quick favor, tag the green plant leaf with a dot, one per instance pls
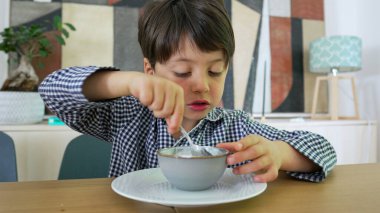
(60, 40)
(35, 31)
(57, 22)
(41, 65)
(57, 19)
(44, 42)
(65, 33)
(31, 40)
(43, 53)
(71, 26)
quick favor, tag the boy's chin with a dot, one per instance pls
(197, 115)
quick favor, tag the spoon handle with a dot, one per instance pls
(196, 150)
(183, 131)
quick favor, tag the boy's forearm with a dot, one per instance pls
(292, 160)
(108, 84)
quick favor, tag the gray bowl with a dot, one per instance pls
(192, 173)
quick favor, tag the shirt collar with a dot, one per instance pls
(215, 114)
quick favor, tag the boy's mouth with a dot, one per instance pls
(199, 105)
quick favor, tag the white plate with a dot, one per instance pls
(150, 185)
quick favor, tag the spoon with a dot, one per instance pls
(196, 150)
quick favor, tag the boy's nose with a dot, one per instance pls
(200, 84)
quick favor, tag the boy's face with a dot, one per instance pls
(200, 74)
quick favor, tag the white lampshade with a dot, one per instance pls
(335, 52)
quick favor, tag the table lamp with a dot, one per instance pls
(335, 55)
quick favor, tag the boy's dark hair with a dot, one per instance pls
(164, 23)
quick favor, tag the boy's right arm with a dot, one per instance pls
(80, 96)
(163, 97)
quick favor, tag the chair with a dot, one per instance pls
(85, 157)
(8, 164)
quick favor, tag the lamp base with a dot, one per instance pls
(334, 93)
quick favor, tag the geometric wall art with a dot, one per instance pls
(269, 71)
(274, 66)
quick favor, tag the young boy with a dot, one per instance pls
(187, 45)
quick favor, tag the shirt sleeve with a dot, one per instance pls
(311, 145)
(62, 93)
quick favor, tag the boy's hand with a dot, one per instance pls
(265, 157)
(165, 98)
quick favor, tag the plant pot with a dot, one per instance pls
(21, 107)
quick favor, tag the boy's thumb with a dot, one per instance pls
(172, 129)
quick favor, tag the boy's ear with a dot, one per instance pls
(148, 69)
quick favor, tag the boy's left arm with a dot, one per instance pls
(266, 150)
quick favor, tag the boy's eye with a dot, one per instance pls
(214, 74)
(182, 75)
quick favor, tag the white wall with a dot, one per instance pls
(360, 18)
(4, 22)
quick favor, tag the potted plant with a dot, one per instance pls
(19, 101)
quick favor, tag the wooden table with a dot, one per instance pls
(349, 188)
(82, 195)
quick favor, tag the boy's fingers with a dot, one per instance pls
(146, 97)
(242, 144)
(170, 129)
(176, 119)
(250, 140)
(158, 100)
(168, 107)
(170, 101)
(251, 153)
(231, 146)
(270, 175)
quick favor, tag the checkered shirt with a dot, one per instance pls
(136, 134)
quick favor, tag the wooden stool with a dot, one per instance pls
(334, 97)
